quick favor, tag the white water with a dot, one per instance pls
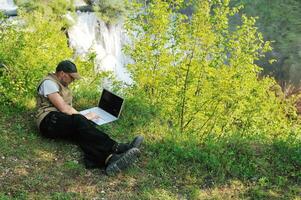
(7, 5)
(90, 34)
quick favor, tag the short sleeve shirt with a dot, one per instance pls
(48, 87)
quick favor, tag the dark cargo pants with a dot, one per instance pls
(96, 145)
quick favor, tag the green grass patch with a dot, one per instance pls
(172, 165)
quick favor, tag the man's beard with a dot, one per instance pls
(63, 83)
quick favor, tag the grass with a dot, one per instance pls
(32, 167)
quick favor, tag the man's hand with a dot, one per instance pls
(91, 116)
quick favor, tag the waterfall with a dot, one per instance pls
(90, 34)
(8, 7)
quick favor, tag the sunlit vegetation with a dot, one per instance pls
(280, 22)
(214, 128)
(110, 11)
(201, 75)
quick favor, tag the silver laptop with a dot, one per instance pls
(109, 108)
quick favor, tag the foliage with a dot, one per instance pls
(280, 22)
(201, 73)
(58, 7)
(110, 11)
(29, 49)
(197, 100)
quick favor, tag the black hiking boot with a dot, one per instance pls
(137, 141)
(119, 162)
(123, 147)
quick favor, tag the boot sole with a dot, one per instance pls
(137, 142)
(124, 162)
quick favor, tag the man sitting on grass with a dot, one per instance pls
(56, 118)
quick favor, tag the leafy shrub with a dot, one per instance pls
(110, 11)
(279, 22)
(202, 73)
(58, 7)
(31, 47)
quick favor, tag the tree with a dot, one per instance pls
(279, 21)
(200, 72)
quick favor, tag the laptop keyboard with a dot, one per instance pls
(104, 116)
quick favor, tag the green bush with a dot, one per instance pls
(30, 48)
(58, 7)
(202, 73)
(279, 22)
(110, 11)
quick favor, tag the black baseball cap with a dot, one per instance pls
(68, 67)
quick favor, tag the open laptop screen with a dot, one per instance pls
(110, 102)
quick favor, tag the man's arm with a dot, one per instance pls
(60, 104)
